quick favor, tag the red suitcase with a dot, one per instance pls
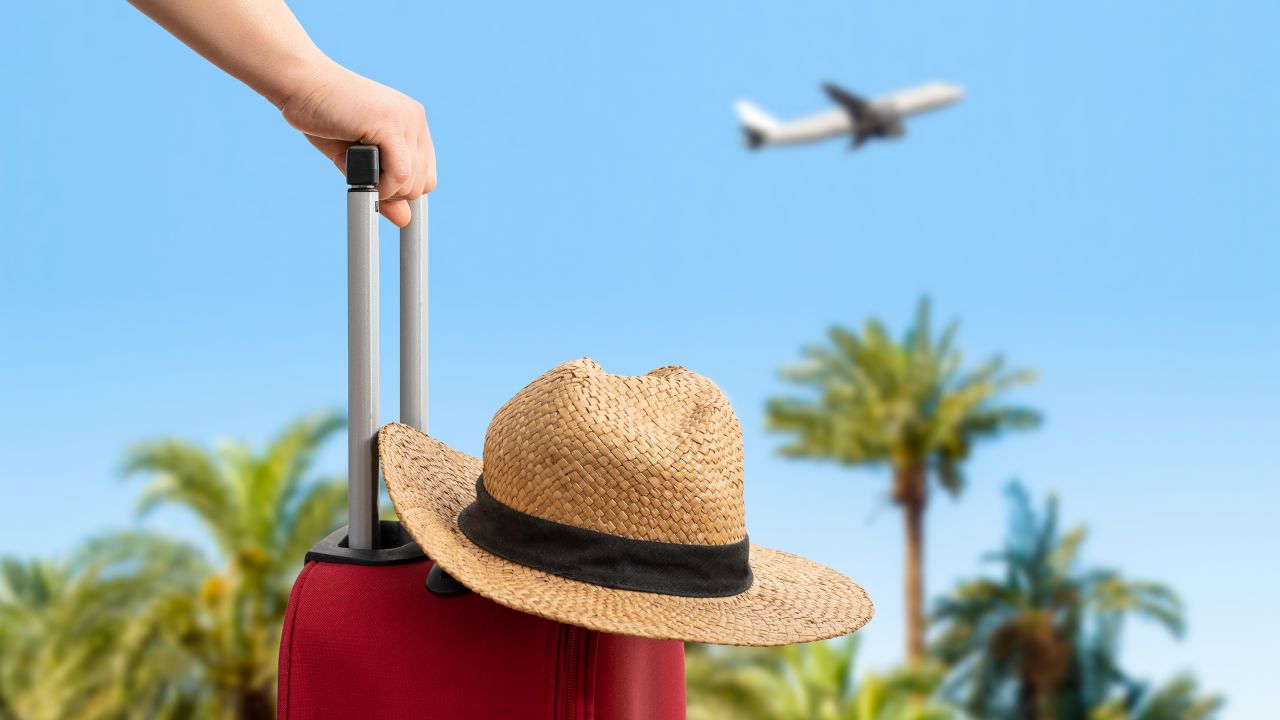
(372, 631)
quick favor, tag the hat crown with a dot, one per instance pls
(650, 457)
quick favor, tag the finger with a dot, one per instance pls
(409, 190)
(426, 164)
(424, 169)
(397, 166)
(397, 211)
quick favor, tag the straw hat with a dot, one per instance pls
(614, 503)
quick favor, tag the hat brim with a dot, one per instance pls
(791, 600)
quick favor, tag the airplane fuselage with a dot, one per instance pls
(821, 126)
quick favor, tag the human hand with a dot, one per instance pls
(336, 108)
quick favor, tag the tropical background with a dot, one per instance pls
(1062, 505)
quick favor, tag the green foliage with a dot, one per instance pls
(137, 625)
(907, 402)
(134, 625)
(1042, 641)
(80, 640)
(811, 681)
(262, 514)
(1178, 699)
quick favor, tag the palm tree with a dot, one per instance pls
(812, 681)
(261, 512)
(908, 404)
(1041, 642)
(82, 639)
(135, 625)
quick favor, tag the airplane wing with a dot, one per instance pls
(920, 99)
(856, 106)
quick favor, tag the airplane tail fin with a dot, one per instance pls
(756, 123)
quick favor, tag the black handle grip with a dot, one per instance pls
(362, 165)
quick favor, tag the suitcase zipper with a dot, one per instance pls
(574, 646)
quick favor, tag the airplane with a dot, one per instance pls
(856, 116)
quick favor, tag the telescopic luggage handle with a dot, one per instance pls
(363, 171)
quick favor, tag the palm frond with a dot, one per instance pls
(185, 475)
(869, 398)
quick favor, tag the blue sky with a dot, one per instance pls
(1100, 208)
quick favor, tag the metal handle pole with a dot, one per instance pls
(413, 317)
(362, 347)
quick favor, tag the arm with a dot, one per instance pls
(262, 44)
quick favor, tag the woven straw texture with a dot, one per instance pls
(652, 457)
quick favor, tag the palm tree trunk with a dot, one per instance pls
(1044, 704)
(257, 705)
(910, 494)
(1028, 702)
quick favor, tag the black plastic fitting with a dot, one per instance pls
(363, 169)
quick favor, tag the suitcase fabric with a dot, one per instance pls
(365, 637)
(373, 642)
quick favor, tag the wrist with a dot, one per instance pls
(299, 76)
